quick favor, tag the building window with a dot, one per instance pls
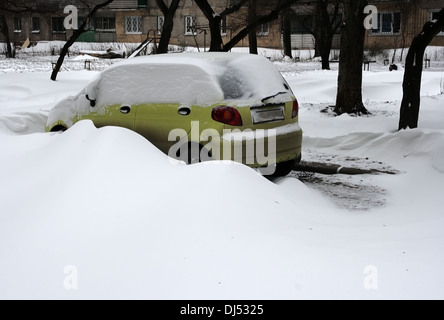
(301, 24)
(190, 25)
(133, 24)
(57, 24)
(263, 30)
(434, 16)
(17, 24)
(88, 25)
(142, 3)
(389, 23)
(160, 22)
(105, 23)
(35, 24)
(223, 26)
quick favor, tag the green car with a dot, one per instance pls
(196, 107)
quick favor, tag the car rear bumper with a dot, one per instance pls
(260, 148)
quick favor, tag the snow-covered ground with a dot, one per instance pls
(101, 213)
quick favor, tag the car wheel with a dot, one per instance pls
(193, 154)
(283, 168)
(58, 128)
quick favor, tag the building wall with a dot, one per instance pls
(413, 17)
(44, 33)
(121, 34)
(120, 9)
(430, 4)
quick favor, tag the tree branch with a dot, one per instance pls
(74, 37)
(162, 6)
(273, 15)
(234, 8)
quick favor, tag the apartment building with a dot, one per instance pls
(135, 20)
(399, 21)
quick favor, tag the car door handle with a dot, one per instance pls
(184, 111)
(125, 109)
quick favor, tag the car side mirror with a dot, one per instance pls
(91, 92)
(92, 102)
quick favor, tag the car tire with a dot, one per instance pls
(58, 128)
(283, 168)
(193, 155)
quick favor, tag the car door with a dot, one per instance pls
(120, 115)
(109, 104)
(156, 121)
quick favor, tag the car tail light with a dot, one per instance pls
(227, 115)
(295, 111)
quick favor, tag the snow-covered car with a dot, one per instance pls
(228, 106)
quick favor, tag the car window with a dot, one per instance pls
(234, 85)
(249, 77)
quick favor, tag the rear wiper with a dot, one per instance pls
(273, 96)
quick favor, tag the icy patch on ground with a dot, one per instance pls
(347, 192)
(350, 192)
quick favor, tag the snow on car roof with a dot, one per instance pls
(199, 59)
(192, 78)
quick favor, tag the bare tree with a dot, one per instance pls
(410, 104)
(168, 13)
(215, 27)
(76, 34)
(267, 17)
(325, 27)
(349, 94)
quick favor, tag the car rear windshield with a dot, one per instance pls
(246, 79)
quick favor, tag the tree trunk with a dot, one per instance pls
(349, 95)
(74, 37)
(317, 49)
(168, 24)
(286, 33)
(260, 20)
(324, 30)
(321, 32)
(65, 50)
(214, 22)
(5, 31)
(216, 43)
(325, 56)
(409, 113)
(252, 35)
